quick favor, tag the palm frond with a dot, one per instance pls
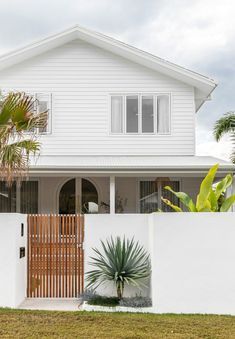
(226, 124)
(17, 115)
(14, 158)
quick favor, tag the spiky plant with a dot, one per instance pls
(121, 261)
(226, 125)
(17, 116)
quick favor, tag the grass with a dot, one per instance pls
(19, 324)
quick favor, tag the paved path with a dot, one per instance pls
(59, 304)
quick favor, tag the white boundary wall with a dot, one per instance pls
(194, 262)
(13, 270)
(102, 226)
(192, 255)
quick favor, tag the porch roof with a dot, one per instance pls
(128, 164)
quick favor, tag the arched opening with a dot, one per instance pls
(78, 195)
(89, 197)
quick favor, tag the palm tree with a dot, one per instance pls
(17, 116)
(226, 124)
(122, 262)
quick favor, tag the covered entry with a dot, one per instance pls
(55, 256)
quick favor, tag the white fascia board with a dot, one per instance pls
(224, 169)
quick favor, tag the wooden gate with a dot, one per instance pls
(55, 256)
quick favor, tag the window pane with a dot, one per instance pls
(175, 185)
(29, 197)
(148, 196)
(147, 114)
(116, 114)
(42, 106)
(7, 198)
(163, 114)
(132, 114)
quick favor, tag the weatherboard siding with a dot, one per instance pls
(81, 78)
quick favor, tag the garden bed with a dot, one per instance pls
(87, 307)
(95, 302)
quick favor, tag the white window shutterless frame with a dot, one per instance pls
(140, 114)
(44, 103)
(117, 114)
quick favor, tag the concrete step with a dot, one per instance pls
(50, 304)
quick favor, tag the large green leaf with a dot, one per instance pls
(213, 201)
(169, 203)
(184, 198)
(227, 204)
(205, 188)
(223, 185)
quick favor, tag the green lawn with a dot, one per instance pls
(42, 324)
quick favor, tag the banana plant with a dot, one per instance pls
(211, 197)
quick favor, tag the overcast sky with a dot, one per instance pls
(198, 34)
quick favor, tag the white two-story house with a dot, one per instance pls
(121, 126)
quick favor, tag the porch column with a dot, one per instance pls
(112, 194)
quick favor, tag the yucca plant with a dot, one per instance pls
(121, 261)
(17, 115)
(211, 197)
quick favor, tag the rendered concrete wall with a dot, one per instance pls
(193, 256)
(100, 227)
(13, 270)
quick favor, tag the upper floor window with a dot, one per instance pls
(43, 103)
(140, 114)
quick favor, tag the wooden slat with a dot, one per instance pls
(55, 256)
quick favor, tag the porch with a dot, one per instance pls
(115, 185)
(95, 194)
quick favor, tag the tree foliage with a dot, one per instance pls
(226, 125)
(17, 116)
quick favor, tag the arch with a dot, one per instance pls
(67, 191)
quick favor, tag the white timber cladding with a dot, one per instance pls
(80, 79)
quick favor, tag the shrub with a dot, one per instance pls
(121, 262)
(137, 301)
(104, 301)
(87, 295)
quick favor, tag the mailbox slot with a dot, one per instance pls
(22, 252)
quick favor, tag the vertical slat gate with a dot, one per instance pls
(55, 256)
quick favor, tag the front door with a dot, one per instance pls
(78, 195)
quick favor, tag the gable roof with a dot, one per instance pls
(203, 85)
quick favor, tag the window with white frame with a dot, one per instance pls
(140, 114)
(43, 103)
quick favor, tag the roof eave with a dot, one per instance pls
(205, 84)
